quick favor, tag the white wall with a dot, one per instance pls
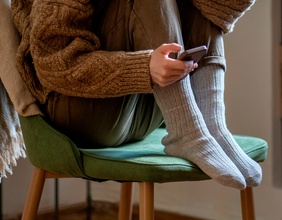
(252, 99)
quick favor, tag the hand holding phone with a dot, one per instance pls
(194, 54)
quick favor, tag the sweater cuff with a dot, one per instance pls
(137, 71)
(223, 13)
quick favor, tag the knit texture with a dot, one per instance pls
(188, 136)
(208, 87)
(224, 13)
(59, 52)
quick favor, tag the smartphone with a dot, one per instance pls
(194, 54)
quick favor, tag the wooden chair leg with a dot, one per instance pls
(34, 194)
(146, 209)
(247, 204)
(125, 204)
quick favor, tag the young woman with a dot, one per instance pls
(105, 72)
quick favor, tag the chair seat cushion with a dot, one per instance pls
(146, 161)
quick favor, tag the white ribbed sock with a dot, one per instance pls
(188, 136)
(208, 87)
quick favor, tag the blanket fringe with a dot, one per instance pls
(12, 145)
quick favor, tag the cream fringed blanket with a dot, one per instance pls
(11, 139)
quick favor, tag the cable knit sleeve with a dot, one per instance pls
(67, 59)
(223, 13)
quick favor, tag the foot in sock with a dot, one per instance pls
(208, 87)
(188, 136)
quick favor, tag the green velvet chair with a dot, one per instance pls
(54, 156)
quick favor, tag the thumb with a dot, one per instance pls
(166, 49)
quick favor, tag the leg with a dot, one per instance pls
(188, 136)
(146, 209)
(34, 194)
(125, 203)
(247, 204)
(81, 118)
(208, 87)
(153, 23)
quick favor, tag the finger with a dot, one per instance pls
(168, 73)
(173, 73)
(168, 81)
(184, 66)
(166, 49)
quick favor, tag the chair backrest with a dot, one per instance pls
(44, 143)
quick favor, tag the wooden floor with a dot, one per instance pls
(102, 211)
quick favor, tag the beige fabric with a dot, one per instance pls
(23, 100)
(223, 13)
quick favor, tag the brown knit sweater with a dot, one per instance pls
(58, 51)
